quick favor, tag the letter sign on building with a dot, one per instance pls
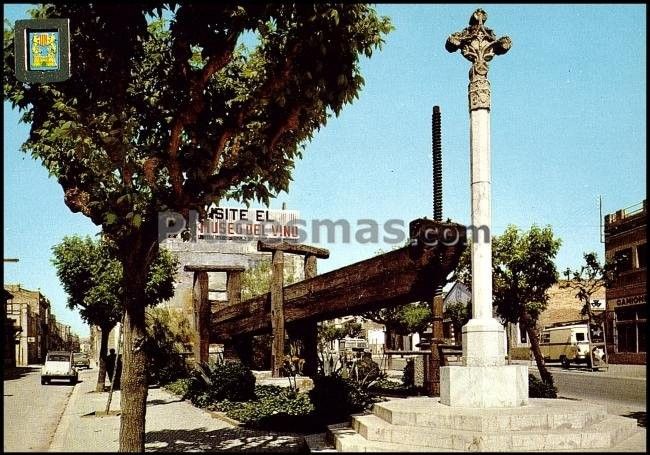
(42, 50)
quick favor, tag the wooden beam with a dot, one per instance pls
(213, 268)
(401, 276)
(293, 248)
(233, 287)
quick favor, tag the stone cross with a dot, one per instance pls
(479, 45)
(484, 380)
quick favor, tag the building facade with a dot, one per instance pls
(626, 297)
(37, 330)
(31, 311)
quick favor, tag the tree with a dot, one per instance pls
(91, 276)
(522, 272)
(174, 115)
(401, 320)
(459, 314)
(590, 278)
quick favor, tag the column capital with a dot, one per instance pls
(479, 45)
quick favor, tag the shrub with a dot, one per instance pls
(215, 382)
(367, 371)
(540, 389)
(275, 408)
(335, 397)
(179, 387)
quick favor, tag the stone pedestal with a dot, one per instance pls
(484, 386)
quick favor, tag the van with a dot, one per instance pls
(566, 344)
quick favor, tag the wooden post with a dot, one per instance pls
(202, 310)
(233, 287)
(201, 317)
(277, 313)
(277, 292)
(310, 328)
(437, 335)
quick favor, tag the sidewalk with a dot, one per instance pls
(173, 425)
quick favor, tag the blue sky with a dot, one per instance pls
(568, 125)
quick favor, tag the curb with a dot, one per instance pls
(58, 440)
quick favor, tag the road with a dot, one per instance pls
(32, 411)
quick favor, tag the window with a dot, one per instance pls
(631, 326)
(623, 259)
(523, 336)
(580, 336)
(641, 255)
(546, 337)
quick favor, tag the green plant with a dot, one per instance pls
(210, 383)
(179, 387)
(336, 397)
(540, 389)
(278, 409)
(167, 333)
(366, 371)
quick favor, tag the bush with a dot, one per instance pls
(274, 408)
(368, 371)
(210, 383)
(179, 387)
(539, 389)
(335, 397)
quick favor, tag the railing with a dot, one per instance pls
(627, 212)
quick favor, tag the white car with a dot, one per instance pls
(59, 365)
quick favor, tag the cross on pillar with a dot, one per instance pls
(484, 381)
(277, 294)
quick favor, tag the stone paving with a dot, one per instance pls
(173, 425)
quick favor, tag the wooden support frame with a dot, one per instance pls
(401, 276)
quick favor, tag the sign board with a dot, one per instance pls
(597, 304)
(248, 223)
(597, 345)
(42, 50)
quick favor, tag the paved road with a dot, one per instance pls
(32, 411)
(581, 383)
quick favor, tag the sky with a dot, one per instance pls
(568, 126)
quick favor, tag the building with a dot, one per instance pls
(35, 326)
(31, 311)
(11, 331)
(626, 296)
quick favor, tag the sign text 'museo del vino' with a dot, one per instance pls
(236, 222)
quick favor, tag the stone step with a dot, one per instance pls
(348, 440)
(604, 434)
(538, 414)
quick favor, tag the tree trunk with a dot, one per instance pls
(103, 348)
(529, 324)
(133, 402)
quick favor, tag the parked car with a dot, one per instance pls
(59, 365)
(566, 343)
(81, 359)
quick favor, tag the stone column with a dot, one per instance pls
(484, 380)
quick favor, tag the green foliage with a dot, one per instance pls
(168, 332)
(539, 389)
(179, 387)
(257, 280)
(459, 313)
(91, 276)
(173, 114)
(588, 279)
(522, 271)
(403, 319)
(215, 382)
(366, 371)
(335, 397)
(275, 408)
